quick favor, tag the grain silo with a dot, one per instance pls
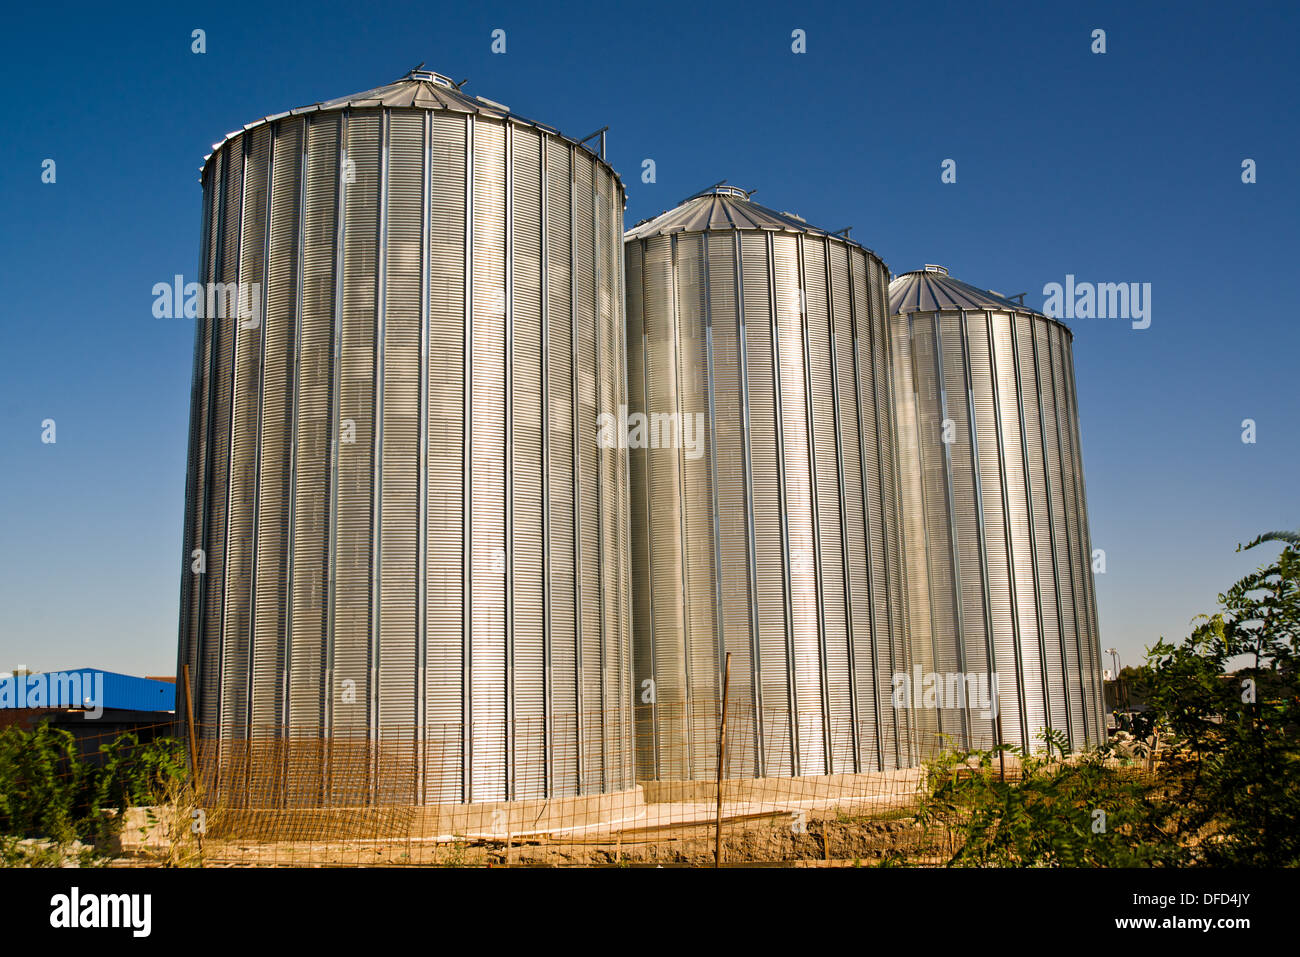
(417, 569)
(996, 529)
(764, 516)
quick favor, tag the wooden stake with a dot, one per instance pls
(189, 724)
(722, 756)
(195, 779)
(1002, 755)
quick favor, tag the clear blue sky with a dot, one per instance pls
(1117, 167)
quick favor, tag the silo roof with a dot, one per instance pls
(418, 89)
(723, 207)
(932, 289)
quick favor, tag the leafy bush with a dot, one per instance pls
(48, 791)
(42, 783)
(1084, 812)
(1236, 779)
(1226, 788)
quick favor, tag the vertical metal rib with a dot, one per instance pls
(645, 392)
(265, 280)
(601, 575)
(217, 254)
(916, 400)
(1085, 537)
(958, 605)
(222, 663)
(548, 722)
(1006, 529)
(335, 421)
(185, 638)
(467, 568)
(857, 331)
(994, 688)
(627, 726)
(1044, 677)
(845, 560)
(792, 695)
(884, 423)
(1057, 395)
(899, 636)
(577, 470)
(809, 422)
(809, 407)
(377, 463)
(422, 481)
(688, 684)
(509, 466)
(720, 630)
(752, 570)
(1070, 730)
(286, 676)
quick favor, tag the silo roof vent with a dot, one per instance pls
(428, 76)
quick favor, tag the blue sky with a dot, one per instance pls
(1117, 167)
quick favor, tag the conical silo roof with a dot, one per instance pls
(724, 207)
(932, 289)
(418, 89)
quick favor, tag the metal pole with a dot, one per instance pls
(722, 757)
(1121, 692)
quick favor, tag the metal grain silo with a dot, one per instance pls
(417, 568)
(776, 535)
(997, 524)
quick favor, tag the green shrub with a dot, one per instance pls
(1236, 780)
(48, 791)
(1225, 789)
(1050, 813)
(42, 781)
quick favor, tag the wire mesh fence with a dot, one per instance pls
(275, 797)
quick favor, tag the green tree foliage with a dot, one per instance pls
(1236, 777)
(1048, 813)
(48, 791)
(1226, 789)
(42, 783)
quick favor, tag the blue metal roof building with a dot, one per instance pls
(115, 691)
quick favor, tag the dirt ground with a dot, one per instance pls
(758, 840)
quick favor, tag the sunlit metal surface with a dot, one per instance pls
(411, 534)
(766, 522)
(996, 528)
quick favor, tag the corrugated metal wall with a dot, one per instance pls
(997, 531)
(413, 542)
(779, 541)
